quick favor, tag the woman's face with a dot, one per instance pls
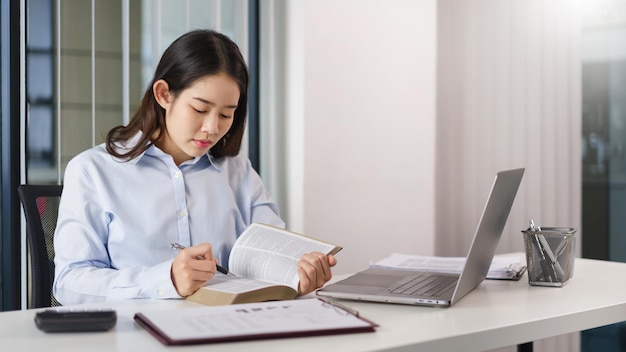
(198, 117)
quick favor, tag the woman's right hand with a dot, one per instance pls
(192, 268)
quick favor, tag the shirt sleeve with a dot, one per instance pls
(263, 209)
(83, 271)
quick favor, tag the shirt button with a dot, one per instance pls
(182, 213)
(161, 292)
(177, 174)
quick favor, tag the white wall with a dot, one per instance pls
(360, 125)
(509, 79)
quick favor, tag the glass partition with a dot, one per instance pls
(89, 63)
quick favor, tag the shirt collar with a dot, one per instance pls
(155, 151)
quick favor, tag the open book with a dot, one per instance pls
(265, 260)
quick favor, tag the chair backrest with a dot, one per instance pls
(41, 208)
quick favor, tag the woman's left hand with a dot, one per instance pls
(314, 271)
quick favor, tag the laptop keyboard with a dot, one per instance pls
(424, 285)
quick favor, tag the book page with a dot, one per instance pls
(271, 254)
(256, 319)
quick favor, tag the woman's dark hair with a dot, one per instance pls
(194, 55)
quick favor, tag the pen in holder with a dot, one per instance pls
(550, 253)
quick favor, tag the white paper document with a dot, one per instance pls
(506, 267)
(252, 320)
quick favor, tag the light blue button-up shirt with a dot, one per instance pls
(117, 219)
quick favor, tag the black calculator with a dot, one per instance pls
(60, 320)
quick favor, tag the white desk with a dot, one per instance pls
(496, 314)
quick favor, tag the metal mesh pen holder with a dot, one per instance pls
(550, 253)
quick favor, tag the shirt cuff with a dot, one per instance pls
(158, 282)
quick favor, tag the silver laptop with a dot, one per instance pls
(438, 289)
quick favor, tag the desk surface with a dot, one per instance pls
(496, 314)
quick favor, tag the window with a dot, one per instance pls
(89, 63)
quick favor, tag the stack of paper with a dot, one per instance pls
(502, 268)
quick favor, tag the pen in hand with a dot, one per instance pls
(220, 268)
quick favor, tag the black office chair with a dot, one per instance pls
(41, 208)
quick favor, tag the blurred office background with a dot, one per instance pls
(375, 124)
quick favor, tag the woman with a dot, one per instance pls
(173, 174)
